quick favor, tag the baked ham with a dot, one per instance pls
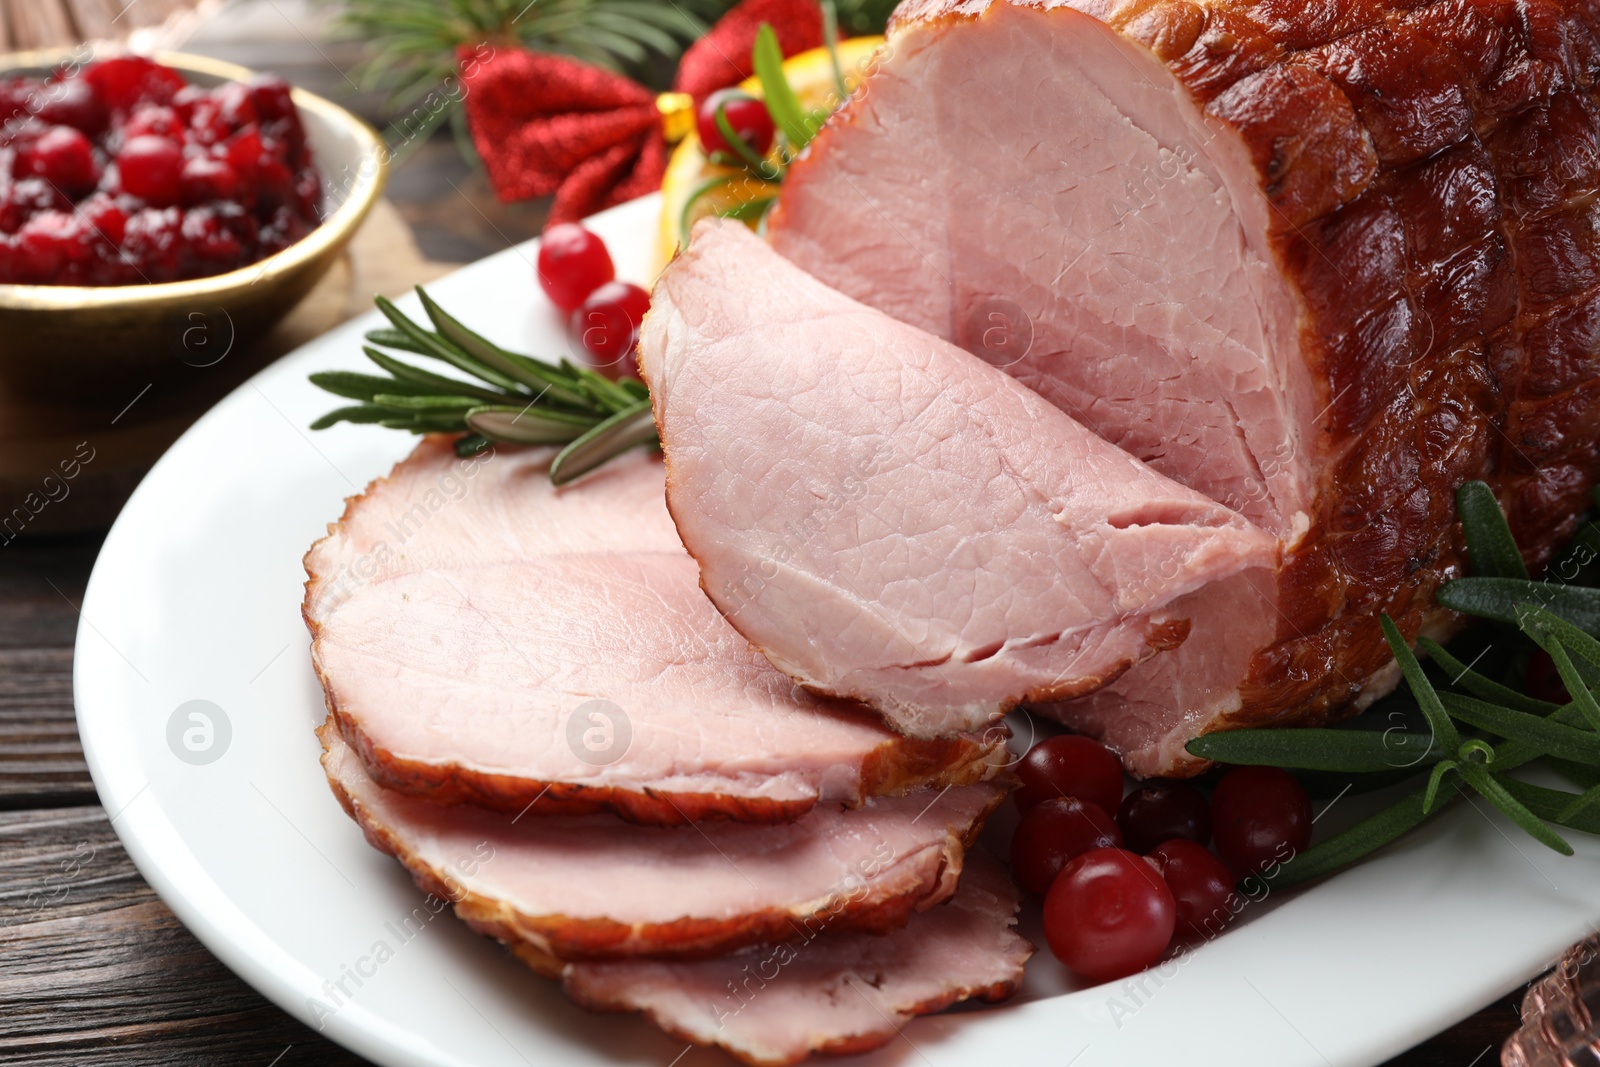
(592, 887)
(1321, 262)
(836, 991)
(466, 612)
(893, 520)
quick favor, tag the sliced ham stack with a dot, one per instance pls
(1319, 263)
(533, 707)
(932, 537)
(464, 612)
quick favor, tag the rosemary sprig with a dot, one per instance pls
(1481, 728)
(506, 396)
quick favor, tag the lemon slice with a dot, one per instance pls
(811, 76)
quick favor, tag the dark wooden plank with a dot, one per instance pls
(41, 759)
(97, 971)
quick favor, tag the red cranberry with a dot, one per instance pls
(151, 168)
(1159, 811)
(205, 178)
(63, 157)
(1543, 680)
(51, 243)
(747, 117)
(128, 80)
(72, 103)
(21, 200)
(236, 104)
(273, 97)
(210, 242)
(607, 325)
(1072, 766)
(1200, 883)
(184, 101)
(572, 264)
(113, 266)
(153, 120)
(153, 241)
(1262, 816)
(1053, 832)
(106, 216)
(206, 124)
(1109, 913)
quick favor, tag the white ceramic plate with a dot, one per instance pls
(196, 596)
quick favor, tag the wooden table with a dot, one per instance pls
(94, 969)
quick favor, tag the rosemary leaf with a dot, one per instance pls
(1545, 623)
(472, 444)
(780, 98)
(1548, 804)
(533, 373)
(359, 413)
(395, 339)
(1582, 697)
(1343, 849)
(1585, 801)
(1422, 689)
(356, 386)
(440, 348)
(1435, 780)
(527, 426)
(432, 405)
(627, 429)
(1551, 738)
(1491, 789)
(753, 208)
(1479, 685)
(1493, 551)
(1344, 751)
(610, 396)
(406, 372)
(1497, 598)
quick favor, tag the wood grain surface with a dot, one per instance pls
(94, 969)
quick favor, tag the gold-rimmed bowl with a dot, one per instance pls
(70, 340)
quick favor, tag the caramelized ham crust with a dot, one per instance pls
(893, 520)
(592, 887)
(1321, 261)
(838, 991)
(483, 637)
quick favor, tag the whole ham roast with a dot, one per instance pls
(1321, 262)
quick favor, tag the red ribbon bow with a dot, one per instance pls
(548, 124)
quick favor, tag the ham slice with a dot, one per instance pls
(1322, 263)
(891, 519)
(483, 637)
(836, 992)
(591, 887)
